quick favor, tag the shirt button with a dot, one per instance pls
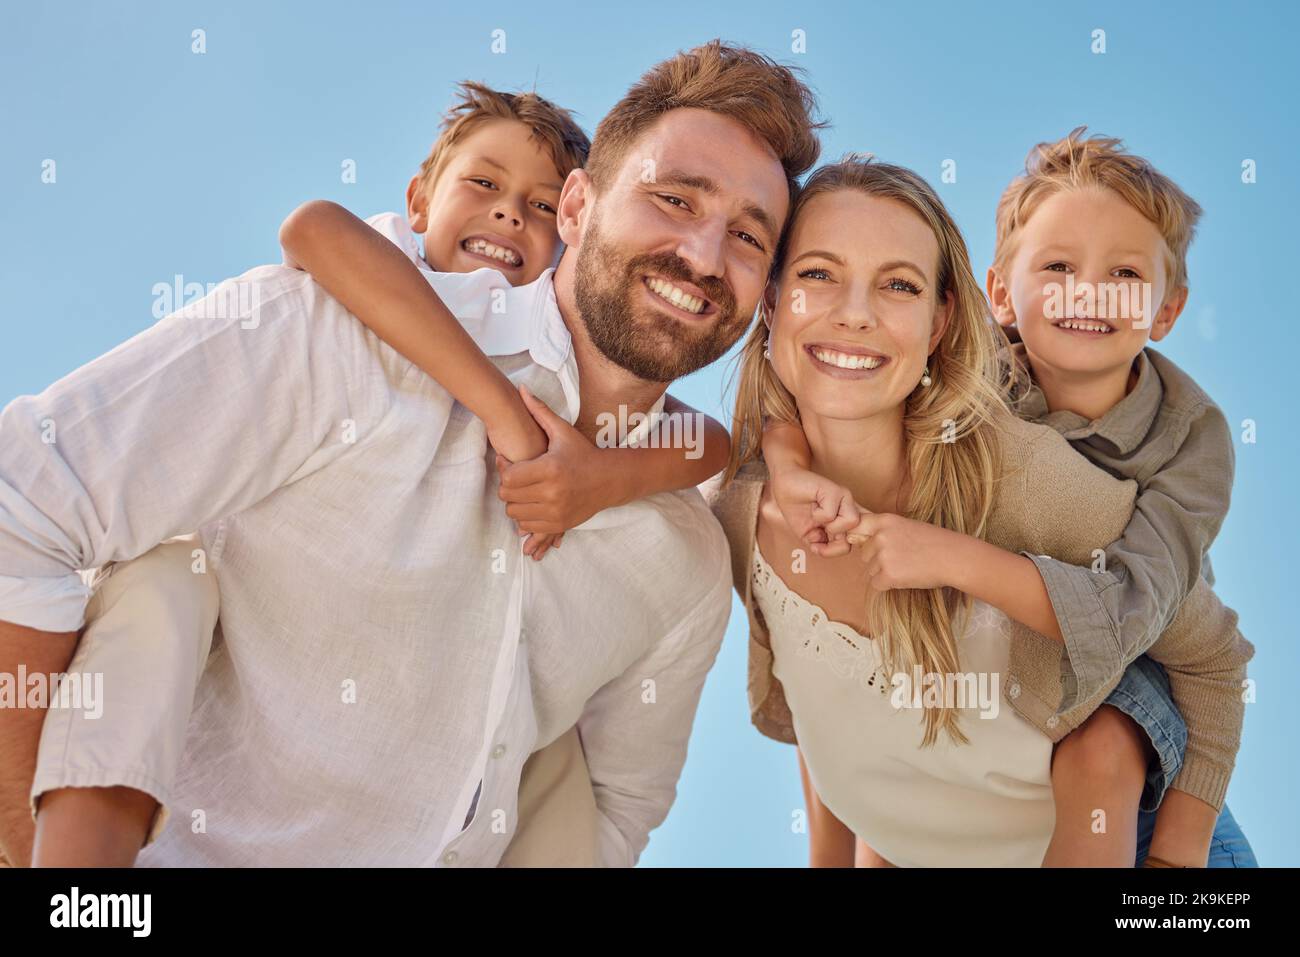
(450, 858)
(1053, 721)
(1014, 689)
(498, 751)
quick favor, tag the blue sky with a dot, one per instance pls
(170, 162)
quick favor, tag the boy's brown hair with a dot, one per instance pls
(553, 127)
(1075, 161)
(767, 98)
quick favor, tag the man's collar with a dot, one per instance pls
(1125, 426)
(548, 341)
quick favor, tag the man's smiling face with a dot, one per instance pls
(674, 252)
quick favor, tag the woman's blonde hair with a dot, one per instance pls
(950, 427)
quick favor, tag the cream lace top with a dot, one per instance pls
(981, 804)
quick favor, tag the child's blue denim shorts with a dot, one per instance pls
(1143, 694)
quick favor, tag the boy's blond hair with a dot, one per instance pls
(1077, 161)
(553, 127)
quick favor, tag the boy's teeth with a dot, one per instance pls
(678, 297)
(846, 361)
(1084, 325)
(485, 248)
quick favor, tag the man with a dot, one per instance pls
(387, 662)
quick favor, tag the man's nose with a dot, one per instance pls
(704, 248)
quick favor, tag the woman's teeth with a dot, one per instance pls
(1084, 325)
(846, 361)
(485, 248)
(679, 298)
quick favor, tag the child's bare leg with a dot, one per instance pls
(1184, 829)
(1097, 775)
(92, 827)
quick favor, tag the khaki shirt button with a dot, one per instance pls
(1053, 721)
(1014, 688)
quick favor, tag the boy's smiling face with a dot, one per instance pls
(492, 204)
(1087, 285)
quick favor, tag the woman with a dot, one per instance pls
(878, 344)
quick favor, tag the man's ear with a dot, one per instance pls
(1168, 314)
(942, 318)
(417, 205)
(1000, 299)
(575, 199)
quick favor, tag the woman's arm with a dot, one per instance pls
(376, 282)
(830, 842)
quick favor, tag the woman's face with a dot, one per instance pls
(857, 313)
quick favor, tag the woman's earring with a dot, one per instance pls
(925, 378)
(767, 349)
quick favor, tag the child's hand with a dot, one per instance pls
(557, 490)
(904, 553)
(818, 511)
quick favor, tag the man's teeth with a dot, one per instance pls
(846, 361)
(485, 248)
(1084, 325)
(678, 297)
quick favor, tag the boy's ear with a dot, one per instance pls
(417, 205)
(575, 199)
(1000, 299)
(1168, 314)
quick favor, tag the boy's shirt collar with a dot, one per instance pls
(1125, 426)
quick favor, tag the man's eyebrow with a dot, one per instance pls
(557, 187)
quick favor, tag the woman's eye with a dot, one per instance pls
(814, 274)
(904, 285)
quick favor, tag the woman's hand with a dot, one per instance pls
(557, 490)
(818, 511)
(904, 553)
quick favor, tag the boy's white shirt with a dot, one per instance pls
(385, 648)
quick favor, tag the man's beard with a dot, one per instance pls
(648, 344)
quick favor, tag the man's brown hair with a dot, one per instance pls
(762, 95)
(553, 127)
(1074, 162)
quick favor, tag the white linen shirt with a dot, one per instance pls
(386, 659)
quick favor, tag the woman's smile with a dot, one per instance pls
(842, 361)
